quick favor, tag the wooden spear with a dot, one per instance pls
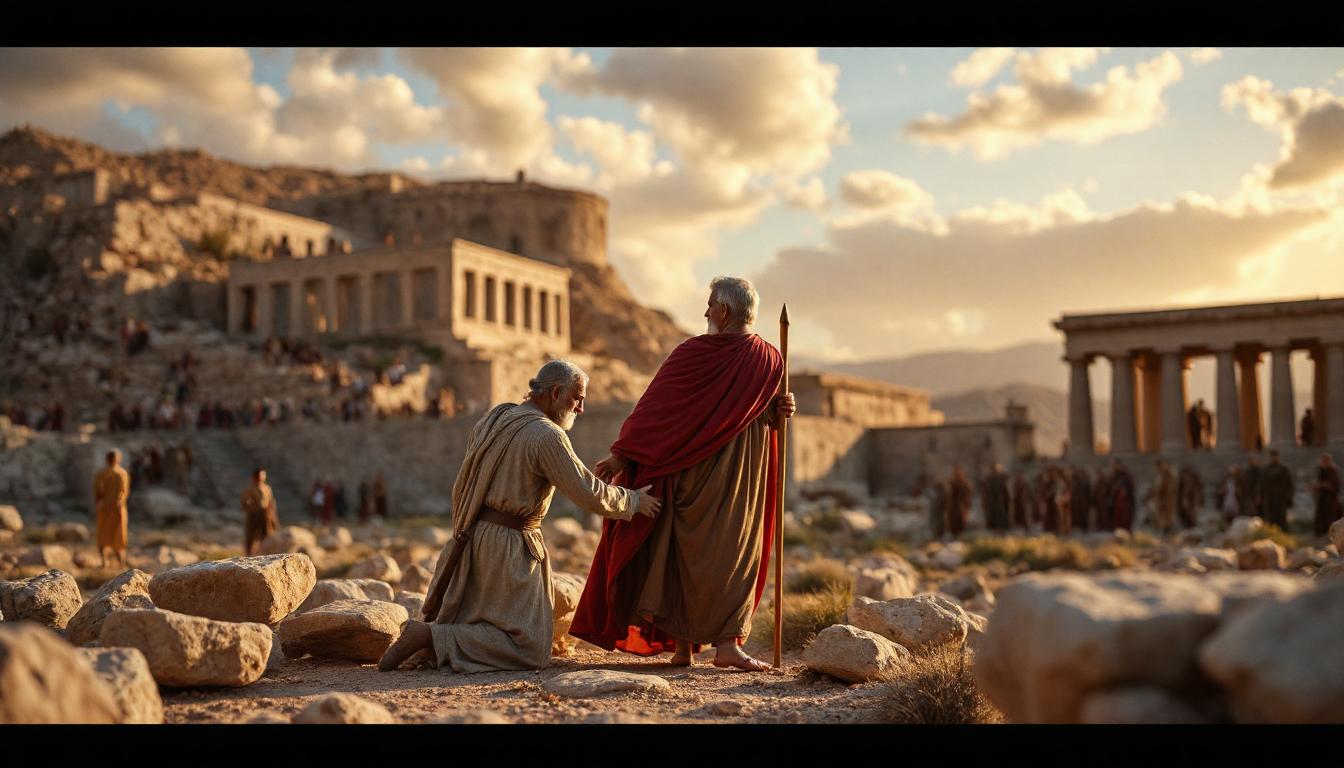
(779, 493)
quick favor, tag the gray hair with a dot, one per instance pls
(556, 373)
(738, 294)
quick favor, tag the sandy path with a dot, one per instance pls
(795, 696)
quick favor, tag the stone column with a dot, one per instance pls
(1252, 424)
(234, 306)
(1228, 405)
(1152, 397)
(265, 311)
(1334, 397)
(1080, 409)
(329, 309)
(368, 323)
(1122, 405)
(1173, 403)
(407, 286)
(443, 308)
(296, 308)
(1320, 405)
(1282, 426)
(562, 309)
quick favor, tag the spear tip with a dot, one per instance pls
(784, 315)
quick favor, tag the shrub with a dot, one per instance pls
(937, 688)
(1041, 553)
(804, 616)
(1277, 535)
(820, 575)
(830, 522)
(215, 242)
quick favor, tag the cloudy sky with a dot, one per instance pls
(900, 200)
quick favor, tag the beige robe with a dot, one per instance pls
(702, 561)
(259, 516)
(111, 487)
(499, 609)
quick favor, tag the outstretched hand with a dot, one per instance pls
(649, 504)
(608, 468)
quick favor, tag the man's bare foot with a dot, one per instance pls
(682, 656)
(415, 636)
(731, 656)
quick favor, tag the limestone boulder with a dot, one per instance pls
(163, 507)
(1336, 534)
(127, 675)
(969, 587)
(10, 519)
(1210, 558)
(48, 556)
(50, 599)
(262, 589)
(949, 557)
(857, 522)
(854, 654)
(72, 533)
(918, 623)
(344, 709)
(335, 538)
(884, 583)
(1331, 571)
(433, 535)
(413, 602)
(415, 578)
(380, 567)
(1279, 661)
(187, 651)
(407, 553)
(1057, 638)
(568, 588)
(163, 556)
(290, 538)
(276, 657)
(1306, 557)
(330, 590)
(1138, 705)
(43, 679)
(128, 590)
(587, 683)
(1262, 555)
(1243, 530)
(361, 630)
(562, 532)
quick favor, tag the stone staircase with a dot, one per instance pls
(227, 468)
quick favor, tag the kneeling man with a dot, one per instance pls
(490, 604)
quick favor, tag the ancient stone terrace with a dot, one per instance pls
(1152, 351)
(460, 293)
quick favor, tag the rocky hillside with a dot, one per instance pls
(82, 254)
(1048, 408)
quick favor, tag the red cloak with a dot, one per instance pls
(705, 393)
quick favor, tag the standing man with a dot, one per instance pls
(958, 501)
(380, 496)
(1190, 496)
(259, 514)
(1122, 496)
(1249, 488)
(995, 496)
(1163, 494)
(111, 487)
(1276, 491)
(1327, 494)
(704, 435)
(491, 603)
(1022, 499)
(1308, 429)
(1080, 500)
(938, 508)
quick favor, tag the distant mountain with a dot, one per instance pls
(941, 373)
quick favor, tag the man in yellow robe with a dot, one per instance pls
(111, 487)
(259, 516)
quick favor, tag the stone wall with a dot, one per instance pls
(900, 456)
(863, 401)
(251, 226)
(558, 226)
(828, 454)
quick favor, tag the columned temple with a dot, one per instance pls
(1150, 355)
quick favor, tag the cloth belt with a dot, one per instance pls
(515, 522)
(489, 515)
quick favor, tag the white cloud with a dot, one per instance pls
(808, 196)
(1311, 122)
(416, 165)
(997, 274)
(881, 189)
(1046, 104)
(981, 67)
(1202, 56)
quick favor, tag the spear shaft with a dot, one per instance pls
(779, 492)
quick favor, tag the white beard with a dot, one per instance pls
(710, 327)
(566, 420)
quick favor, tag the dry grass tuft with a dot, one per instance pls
(804, 616)
(820, 575)
(1046, 551)
(1277, 535)
(937, 688)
